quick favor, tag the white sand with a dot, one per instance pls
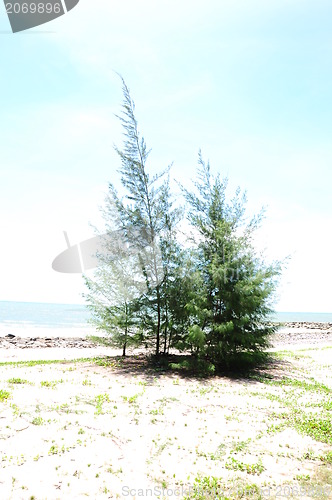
(149, 430)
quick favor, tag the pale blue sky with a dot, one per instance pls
(249, 82)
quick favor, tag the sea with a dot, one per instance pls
(68, 316)
(42, 315)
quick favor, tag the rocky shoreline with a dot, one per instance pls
(297, 333)
(11, 341)
(306, 325)
(302, 337)
(288, 333)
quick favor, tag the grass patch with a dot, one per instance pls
(288, 354)
(38, 421)
(212, 488)
(240, 446)
(131, 399)
(45, 362)
(311, 385)
(325, 348)
(327, 458)
(206, 487)
(316, 426)
(108, 362)
(51, 383)
(4, 395)
(18, 381)
(99, 400)
(233, 464)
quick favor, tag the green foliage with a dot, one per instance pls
(234, 464)
(233, 302)
(212, 298)
(210, 487)
(316, 426)
(318, 422)
(18, 381)
(206, 487)
(129, 295)
(241, 446)
(4, 395)
(196, 337)
(100, 399)
(112, 295)
(37, 421)
(312, 385)
(51, 383)
(193, 365)
(43, 362)
(327, 458)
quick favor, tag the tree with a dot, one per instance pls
(214, 298)
(114, 290)
(233, 303)
(146, 219)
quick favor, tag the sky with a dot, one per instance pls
(247, 82)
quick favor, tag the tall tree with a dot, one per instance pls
(213, 298)
(114, 290)
(235, 296)
(146, 219)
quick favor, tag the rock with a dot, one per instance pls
(38, 342)
(5, 344)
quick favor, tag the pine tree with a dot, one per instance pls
(232, 306)
(146, 219)
(214, 298)
(114, 290)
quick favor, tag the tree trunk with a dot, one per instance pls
(169, 342)
(158, 323)
(166, 324)
(126, 332)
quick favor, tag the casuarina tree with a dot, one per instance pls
(212, 297)
(146, 220)
(233, 304)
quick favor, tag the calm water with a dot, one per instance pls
(303, 316)
(43, 315)
(68, 315)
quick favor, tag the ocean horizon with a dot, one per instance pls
(42, 314)
(50, 315)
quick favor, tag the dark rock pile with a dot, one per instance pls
(303, 333)
(307, 325)
(12, 341)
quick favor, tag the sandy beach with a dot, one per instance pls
(114, 428)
